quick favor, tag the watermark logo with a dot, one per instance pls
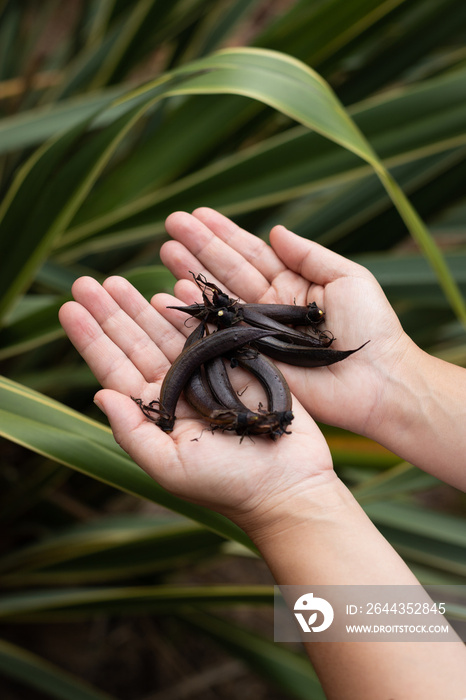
(310, 604)
(351, 613)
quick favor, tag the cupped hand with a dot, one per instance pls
(351, 394)
(129, 347)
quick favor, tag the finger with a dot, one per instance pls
(184, 265)
(120, 328)
(154, 338)
(183, 323)
(189, 293)
(252, 248)
(311, 260)
(140, 438)
(232, 270)
(149, 339)
(109, 364)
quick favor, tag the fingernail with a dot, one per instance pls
(99, 404)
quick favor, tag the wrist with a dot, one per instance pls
(322, 536)
(319, 500)
(401, 386)
(421, 413)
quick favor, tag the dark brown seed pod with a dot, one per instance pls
(301, 356)
(187, 362)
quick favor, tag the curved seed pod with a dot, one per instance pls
(277, 390)
(195, 381)
(220, 385)
(200, 397)
(204, 395)
(274, 421)
(273, 381)
(292, 314)
(196, 391)
(188, 361)
(301, 356)
(238, 419)
(285, 313)
(291, 335)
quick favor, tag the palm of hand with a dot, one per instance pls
(129, 347)
(297, 270)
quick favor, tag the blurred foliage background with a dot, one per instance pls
(112, 115)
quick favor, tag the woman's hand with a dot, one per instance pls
(129, 346)
(350, 394)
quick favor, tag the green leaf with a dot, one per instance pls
(424, 551)
(281, 82)
(415, 519)
(32, 329)
(315, 31)
(423, 30)
(41, 123)
(8, 28)
(409, 277)
(431, 576)
(217, 25)
(70, 438)
(24, 242)
(151, 280)
(34, 672)
(404, 126)
(422, 536)
(34, 321)
(403, 478)
(110, 548)
(277, 80)
(60, 604)
(361, 215)
(184, 134)
(122, 38)
(59, 379)
(291, 672)
(28, 234)
(56, 181)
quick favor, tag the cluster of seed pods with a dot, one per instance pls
(246, 335)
